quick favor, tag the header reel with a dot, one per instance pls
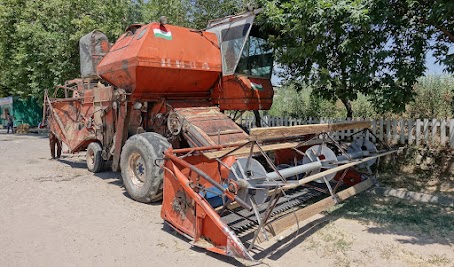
(248, 198)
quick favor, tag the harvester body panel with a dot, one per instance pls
(163, 61)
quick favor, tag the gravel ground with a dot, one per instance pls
(57, 213)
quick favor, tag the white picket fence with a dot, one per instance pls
(417, 132)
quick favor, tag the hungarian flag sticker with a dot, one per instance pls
(162, 33)
(256, 86)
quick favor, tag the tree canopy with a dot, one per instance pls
(338, 47)
(39, 38)
(346, 47)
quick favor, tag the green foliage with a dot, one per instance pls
(368, 51)
(39, 38)
(39, 46)
(344, 47)
(204, 10)
(290, 102)
(434, 98)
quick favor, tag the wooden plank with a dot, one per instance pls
(395, 135)
(451, 133)
(382, 129)
(426, 131)
(374, 130)
(410, 131)
(402, 131)
(388, 131)
(434, 131)
(418, 132)
(246, 150)
(295, 131)
(281, 224)
(443, 132)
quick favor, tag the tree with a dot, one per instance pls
(39, 38)
(39, 43)
(205, 10)
(345, 47)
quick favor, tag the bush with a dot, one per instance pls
(434, 99)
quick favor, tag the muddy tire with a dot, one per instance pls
(95, 162)
(142, 177)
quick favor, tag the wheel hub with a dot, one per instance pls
(138, 169)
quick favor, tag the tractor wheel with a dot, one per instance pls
(95, 162)
(142, 177)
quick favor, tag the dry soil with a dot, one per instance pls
(56, 213)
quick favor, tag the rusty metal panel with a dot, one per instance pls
(209, 126)
(186, 63)
(93, 46)
(239, 92)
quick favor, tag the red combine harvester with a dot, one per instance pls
(153, 105)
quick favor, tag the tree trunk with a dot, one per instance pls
(258, 120)
(348, 106)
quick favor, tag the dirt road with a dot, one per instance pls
(57, 213)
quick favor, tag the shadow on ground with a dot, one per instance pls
(417, 223)
(420, 223)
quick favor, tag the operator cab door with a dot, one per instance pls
(232, 33)
(247, 63)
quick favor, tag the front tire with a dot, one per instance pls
(142, 177)
(95, 162)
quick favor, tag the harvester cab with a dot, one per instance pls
(247, 63)
(244, 51)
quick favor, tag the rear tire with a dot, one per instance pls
(95, 162)
(142, 177)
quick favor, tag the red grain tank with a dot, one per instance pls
(228, 64)
(155, 60)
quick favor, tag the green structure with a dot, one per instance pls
(23, 110)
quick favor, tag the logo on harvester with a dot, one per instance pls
(256, 86)
(161, 32)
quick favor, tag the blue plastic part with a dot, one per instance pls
(212, 195)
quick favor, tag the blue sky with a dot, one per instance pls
(432, 67)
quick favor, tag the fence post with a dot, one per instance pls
(426, 131)
(374, 129)
(388, 131)
(418, 132)
(410, 131)
(451, 133)
(394, 132)
(381, 129)
(402, 131)
(443, 132)
(434, 131)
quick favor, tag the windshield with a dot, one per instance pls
(242, 49)
(256, 59)
(233, 40)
